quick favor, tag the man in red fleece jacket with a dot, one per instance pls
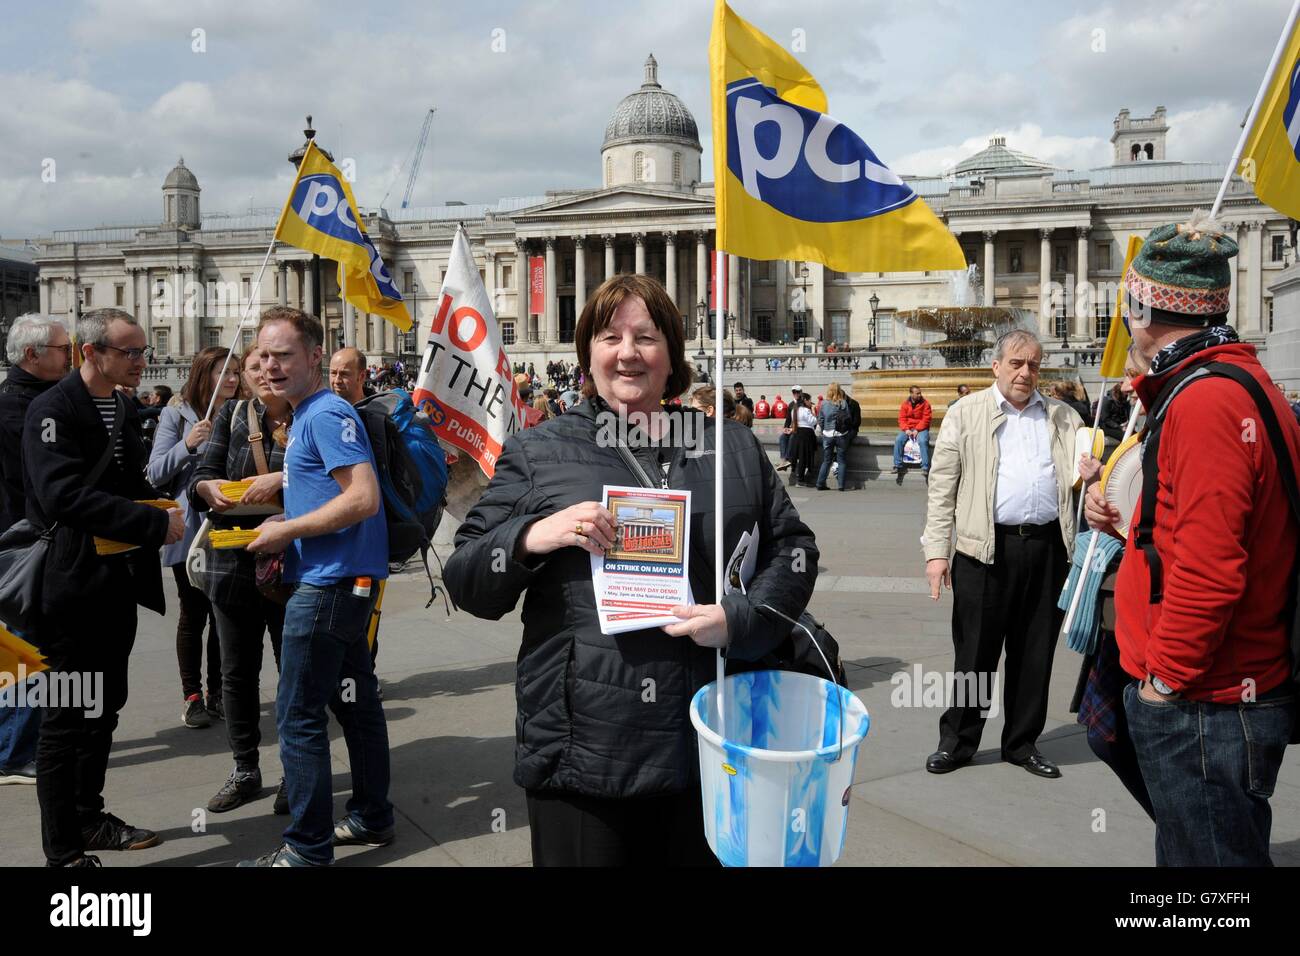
(1212, 705)
(913, 422)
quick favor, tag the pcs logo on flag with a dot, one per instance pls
(804, 163)
(317, 202)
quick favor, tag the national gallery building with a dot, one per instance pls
(1027, 226)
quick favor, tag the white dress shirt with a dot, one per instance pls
(1025, 492)
(804, 418)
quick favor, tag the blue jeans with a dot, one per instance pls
(325, 661)
(785, 446)
(922, 439)
(19, 728)
(1210, 769)
(837, 446)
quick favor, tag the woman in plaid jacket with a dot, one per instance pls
(243, 615)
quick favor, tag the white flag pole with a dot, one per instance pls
(1092, 544)
(234, 342)
(719, 409)
(1247, 126)
(1096, 422)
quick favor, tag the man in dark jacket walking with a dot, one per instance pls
(39, 352)
(83, 461)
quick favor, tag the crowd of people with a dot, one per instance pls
(1186, 690)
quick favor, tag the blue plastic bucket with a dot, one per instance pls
(776, 791)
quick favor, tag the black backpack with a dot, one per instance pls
(843, 418)
(1143, 531)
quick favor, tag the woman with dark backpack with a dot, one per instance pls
(835, 421)
(248, 441)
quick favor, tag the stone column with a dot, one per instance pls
(43, 285)
(309, 290)
(609, 254)
(283, 271)
(552, 335)
(1233, 231)
(989, 235)
(782, 317)
(148, 306)
(639, 239)
(186, 343)
(1045, 310)
(579, 274)
(702, 272)
(670, 265)
(129, 301)
(350, 324)
(1254, 323)
(521, 290)
(1084, 300)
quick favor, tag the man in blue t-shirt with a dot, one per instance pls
(335, 543)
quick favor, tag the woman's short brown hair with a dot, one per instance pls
(599, 312)
(197, 391)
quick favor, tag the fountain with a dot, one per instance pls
(962, 357)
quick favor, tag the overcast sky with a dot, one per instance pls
(114, 90)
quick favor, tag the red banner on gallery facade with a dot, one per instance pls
(536, 285)
(713, 284)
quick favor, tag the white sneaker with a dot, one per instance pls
(19, 775)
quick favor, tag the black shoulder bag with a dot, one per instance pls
(809, 649)
(25, 547)
(1144, 530)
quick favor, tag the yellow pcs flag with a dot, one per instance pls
(373, 290)
(1270, 160)
(793, 183)
(321, 216)
(1118, 338)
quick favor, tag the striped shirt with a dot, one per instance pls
(108, 412)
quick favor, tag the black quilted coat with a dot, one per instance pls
(589, 721)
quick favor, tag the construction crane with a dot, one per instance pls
(415, 163)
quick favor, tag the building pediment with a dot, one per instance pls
(617, 199)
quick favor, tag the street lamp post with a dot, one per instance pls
(874, 302)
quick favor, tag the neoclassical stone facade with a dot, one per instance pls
(1047, 240)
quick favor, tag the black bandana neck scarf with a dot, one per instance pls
(1175, 353)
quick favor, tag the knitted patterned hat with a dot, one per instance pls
(1181, 275)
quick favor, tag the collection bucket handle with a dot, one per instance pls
(839, 691)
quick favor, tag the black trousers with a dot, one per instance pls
(1013, 603)
(240, 629)
(570, 829)
(195, 616)
(72, 750)
(803, 452)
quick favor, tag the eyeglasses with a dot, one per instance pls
(145, 353)
(65, 349)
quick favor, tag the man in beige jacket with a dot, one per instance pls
(1001, 484)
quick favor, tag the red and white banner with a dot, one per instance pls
(536, 285)
(465, 384)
